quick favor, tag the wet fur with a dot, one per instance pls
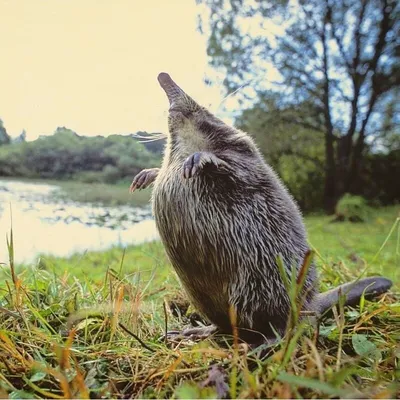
(224, 228)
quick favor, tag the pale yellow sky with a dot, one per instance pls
(92, 65)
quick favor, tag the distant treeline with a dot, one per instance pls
(296, 154)
(66, 155)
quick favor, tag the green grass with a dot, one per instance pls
(70, 328)
(353, 247)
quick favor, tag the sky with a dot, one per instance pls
(92, 65)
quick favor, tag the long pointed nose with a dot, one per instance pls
(172, 90)
(176, 96)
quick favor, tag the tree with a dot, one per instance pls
(21, 138)
(296, 153)
(4, 137)
(339, 56)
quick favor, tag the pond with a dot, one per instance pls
(43, 223)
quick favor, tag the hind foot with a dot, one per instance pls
(144, 178)
(195, 163)
(199, 333)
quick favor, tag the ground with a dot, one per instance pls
(88, 326)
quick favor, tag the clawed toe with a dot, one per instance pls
(191, 166)
(169, 335)
(143, 179)
(199, 333)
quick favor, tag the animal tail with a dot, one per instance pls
(371, 287)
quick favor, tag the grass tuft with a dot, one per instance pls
(87, 326)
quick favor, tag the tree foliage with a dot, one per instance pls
(66, 155)
(338, 59)
(4, 138)
(296, 153)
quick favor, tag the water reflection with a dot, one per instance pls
(42, 224)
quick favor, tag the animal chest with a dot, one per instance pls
(187, 218)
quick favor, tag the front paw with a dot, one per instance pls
(143, 179)
(198, 333)
(192, 166)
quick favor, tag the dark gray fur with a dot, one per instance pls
(224, 217)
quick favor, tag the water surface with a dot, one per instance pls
(42, 223)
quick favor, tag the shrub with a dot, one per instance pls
(111, 174)
(89, 177)
(352, 208)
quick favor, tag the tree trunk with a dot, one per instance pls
(330, 196)
(353, 178)
(330, 168)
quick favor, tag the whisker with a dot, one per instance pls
(248, 83)
(152, 140)
(152, 137)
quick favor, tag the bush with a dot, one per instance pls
(111, 174)
(352, 208)
(89, 177)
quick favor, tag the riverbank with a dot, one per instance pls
(120, 301)
(98, 193)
